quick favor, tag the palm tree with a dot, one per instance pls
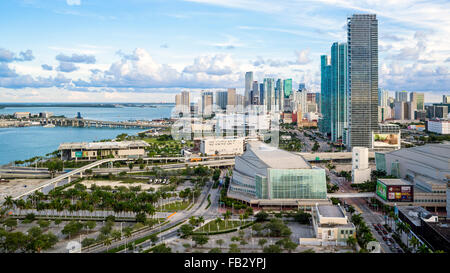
(351, 241)
(423, 249)
(414, 243)
(107, 243)
(220, 243)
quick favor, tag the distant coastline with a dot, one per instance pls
(100, 105)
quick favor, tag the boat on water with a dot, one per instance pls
(49, 125)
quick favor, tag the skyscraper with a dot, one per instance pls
(325, 96)
(287, 87)
(222, 99)
(401, 96)
(269, 94)
(255, 92)
(362, 41)
(248, 86)
(261, 93)
(338, 90)
(383, 98)
(231, 97)
(207, 103)
(418, 99)
(279, 94)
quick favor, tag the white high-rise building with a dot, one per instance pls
(360, 165)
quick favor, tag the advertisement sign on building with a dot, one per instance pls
(381, 190)
(385, 140)
(400, 193)
(79, 154)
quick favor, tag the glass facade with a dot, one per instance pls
(287, 87)
(380, 161)
(362, 44)
(297, 184)
(261, 186)
(325, 98)
(338, 90)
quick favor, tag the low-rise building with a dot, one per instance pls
(19, 115)
(95, 150)
(439, 126)
(267, 176)
(222, 146)
(360, 165)
(331, 226)
(426, 167)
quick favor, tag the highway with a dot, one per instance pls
(79, 171)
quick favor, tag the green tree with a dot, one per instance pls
(234, 249)
(186, 230)
(219, 242)
(162, 248)
(200, 239)
(262, 242)
(272, 249)
(10, 222)
(261, 216)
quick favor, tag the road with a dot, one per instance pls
(178, 218)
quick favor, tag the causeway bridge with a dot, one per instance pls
(79, 122)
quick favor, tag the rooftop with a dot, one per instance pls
(103, 145)
(330, 211)
(276, 158)
(394, 182)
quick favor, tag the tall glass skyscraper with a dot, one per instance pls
(248, 86)
(325, 96)
(338, 90)
(279, 94)
(362, 41)
(269, 93)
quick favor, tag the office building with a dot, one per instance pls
(418, 100)
(255, 93)
(401, 96)
(362, 42)
(222, 99)
(207, 103)
(248, 87)
(446, 99)
(437, 111)
(279, 95)
(383, 97)
(339, 81)
(325, 95)
(265, 175)
(269, 94)
(360, 165)
(441, 127)
(231, 97)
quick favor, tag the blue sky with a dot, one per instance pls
(143, 50)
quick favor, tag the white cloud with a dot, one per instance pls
(73, 2)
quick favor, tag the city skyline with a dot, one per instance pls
(146, 59)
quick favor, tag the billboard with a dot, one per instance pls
(381, 190)
(400, 193)
(78, 154)
(385, 140)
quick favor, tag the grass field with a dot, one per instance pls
(224, 225)
(176, 206)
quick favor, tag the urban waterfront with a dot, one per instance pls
(20, 143)
(99, 113)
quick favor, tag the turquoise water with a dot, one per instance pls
(26, 142)
(99, 113)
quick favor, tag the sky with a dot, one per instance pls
(149, 50)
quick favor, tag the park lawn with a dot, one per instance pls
(213, 226)
(175, 206)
